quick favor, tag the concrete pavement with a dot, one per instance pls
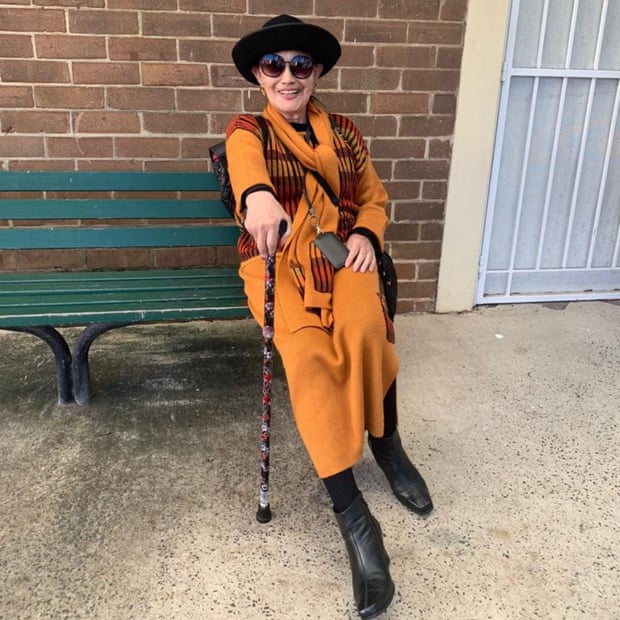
(141, 505)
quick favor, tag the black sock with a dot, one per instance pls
(390, 417)
(342, 489)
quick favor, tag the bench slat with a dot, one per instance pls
(55, 284)
(24, 238)
(140, 296)
(84, 209)
(107, 181)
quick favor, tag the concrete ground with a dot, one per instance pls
(141, 505)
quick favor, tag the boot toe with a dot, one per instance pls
(378, 602)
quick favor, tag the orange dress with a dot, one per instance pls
(330, 327)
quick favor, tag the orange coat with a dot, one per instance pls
(334, 342)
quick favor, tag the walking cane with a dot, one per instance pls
(263, 514)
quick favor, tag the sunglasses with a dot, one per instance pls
(273, 65)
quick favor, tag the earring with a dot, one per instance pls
(262, 91)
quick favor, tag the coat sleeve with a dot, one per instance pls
(371, 196)
(246, 159)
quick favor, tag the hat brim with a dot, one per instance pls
(314, 40)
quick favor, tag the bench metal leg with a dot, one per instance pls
(62, 354)
(81, 347)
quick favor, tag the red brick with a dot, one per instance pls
(67, 46)
(8, 260)
(103, 22)
(35, 260)
(427, 126)
(417, 250)
(379, 32)
(42, 164)
(205, 50)
(32, 20)
(147, 148)
(444, 103)
(185, 257)
(69, 97)
(403, 232)
(141, 98)
(399, 103)
(300, 8)
(128, 258)
(439, 149)
(80, 147)
(365, 80)
(21, 146)
(108, 73)
(409, 56)
(427, 270)
(192, 148)
(108, 164)
(449, 57)
(454, 10)
(34, 121)
(162, 74)
(431, 231)
(435, 190)
(356, 55)
(17, 46)
(175, 123)
(93, 4)
(176, 24)
(107, 122)
(403, 189)
(16, 97)
(397, 148)
(330, 8)
(405, 9)
(142, 48)
(431, 80)
(212, 100)
(435, 33)
(421, 169)
(29, 71)
(151, 5)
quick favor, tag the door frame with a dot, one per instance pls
(472, 155)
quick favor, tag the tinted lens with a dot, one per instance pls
(301, 66)
(273, 65)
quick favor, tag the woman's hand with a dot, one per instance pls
(361, 253)
(263, 219)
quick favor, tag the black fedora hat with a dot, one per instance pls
(285, 33)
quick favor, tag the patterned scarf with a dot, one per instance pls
(300, 250)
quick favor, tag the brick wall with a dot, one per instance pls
(149, 85)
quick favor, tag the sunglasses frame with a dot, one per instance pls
(299, 61)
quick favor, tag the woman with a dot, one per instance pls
(331, 326)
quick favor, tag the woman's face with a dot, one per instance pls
(287, 93)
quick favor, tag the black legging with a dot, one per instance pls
(342, 487)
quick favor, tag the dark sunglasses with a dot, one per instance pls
(273, 65)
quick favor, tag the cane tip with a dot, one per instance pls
(263, 514)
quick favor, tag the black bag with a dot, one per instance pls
(220, 167)
(389, 282)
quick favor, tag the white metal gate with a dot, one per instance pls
(553, 217)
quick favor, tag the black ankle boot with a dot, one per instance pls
(373, 587)
(405, 480)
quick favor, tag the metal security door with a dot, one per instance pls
(552, 227)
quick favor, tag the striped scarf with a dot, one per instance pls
(300, 254)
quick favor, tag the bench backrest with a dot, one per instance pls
(136, 209)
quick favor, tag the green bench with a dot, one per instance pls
(135, 210)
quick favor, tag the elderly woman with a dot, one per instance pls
(332, 329)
